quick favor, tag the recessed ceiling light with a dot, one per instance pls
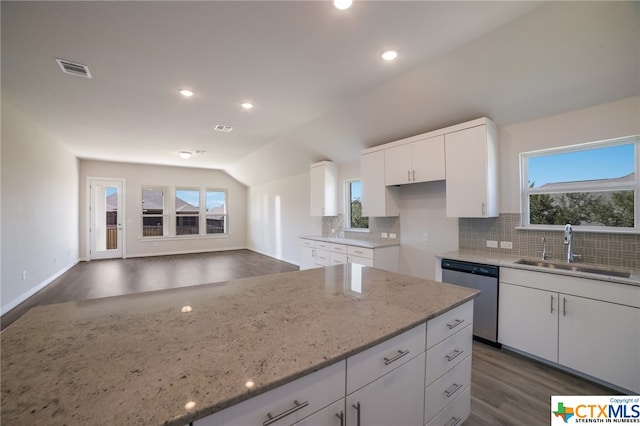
(186, 93)
(247, 105)
(389, 55)
(342, 4)
(185, 155)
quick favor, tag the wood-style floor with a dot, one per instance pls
(507, 389)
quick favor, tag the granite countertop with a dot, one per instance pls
(142, 360)
(510, 261)
(352, 241)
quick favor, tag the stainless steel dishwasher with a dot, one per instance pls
(485, 306)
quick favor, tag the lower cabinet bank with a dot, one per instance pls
(420, 377)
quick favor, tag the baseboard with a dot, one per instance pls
(15, 302)
(169, 253)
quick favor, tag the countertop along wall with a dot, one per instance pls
(137, 175)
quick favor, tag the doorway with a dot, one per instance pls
(106, 218)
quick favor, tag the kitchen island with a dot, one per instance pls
(175, 356)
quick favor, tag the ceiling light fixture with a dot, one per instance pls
(342, 4)
(185, 155)
(247, 105)
(186, 93)
(389, 55)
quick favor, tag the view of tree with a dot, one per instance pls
(357, 221)
(583, 208)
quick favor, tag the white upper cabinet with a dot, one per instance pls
(324, 189)
(419, 161)
(377, 199)
(471, 171)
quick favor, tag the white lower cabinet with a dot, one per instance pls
(600, 338)
(447, 388)
(393, 399)
(456, 412)
(333, 415)
(316, 254)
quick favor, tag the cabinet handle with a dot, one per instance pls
(357, 407)
(414, 175)
(552, 303)
(453, 422)
(452, 389)
(484, 208)
(273, 419)
(564, 306)
(454, 354)
(400, 354)
(340, 415)
(455, 323)
(408, 175)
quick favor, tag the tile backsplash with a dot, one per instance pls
(621, 250)
(377, 225)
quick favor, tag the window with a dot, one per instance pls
(153, 208)
(594, 186)
(353, 213)
(195, 211)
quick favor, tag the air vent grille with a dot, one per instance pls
(73, 68)
(222, 128)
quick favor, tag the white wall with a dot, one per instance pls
(601, 122)
(278, 213)
(137, 175)
(39, 208)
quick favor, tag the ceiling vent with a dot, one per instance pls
(222, 128)
(73, 68)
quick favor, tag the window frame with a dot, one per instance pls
(190, 214)
(347, 207)
(581, 187)
(164, 215)
(225, 214)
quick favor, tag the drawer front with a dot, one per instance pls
(338, 248)
(360, 252)
(312, 393)
(444, 390)
(447, 324)
(338, 258)
(323, 245)
(455, 413)
(323, 258)
(448, 353)
(360, 260)
(308, 243)
(365, 367)
(329, 416)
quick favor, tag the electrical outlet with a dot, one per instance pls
(492, 244)
(24, 275)
(392, 235)
(506, 244)
(425, 237)
(384, 235)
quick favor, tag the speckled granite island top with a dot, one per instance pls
(141, 360)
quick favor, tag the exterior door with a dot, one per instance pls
(106, 212)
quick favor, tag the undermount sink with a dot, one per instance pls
(573, 267)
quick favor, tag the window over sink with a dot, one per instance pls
(593, 186)
(353, 206)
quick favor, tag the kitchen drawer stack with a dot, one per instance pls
(448, 368)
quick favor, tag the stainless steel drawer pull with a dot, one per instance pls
(455, 323)
(552, 303)
(400, 354)
(452, 389)
(454, 354)
(340, 415)
(564, 306)
(408, 175)
(453, 422)
(358, 251)
(273, 419)
(357, 407)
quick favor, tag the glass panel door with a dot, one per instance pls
(106, 219)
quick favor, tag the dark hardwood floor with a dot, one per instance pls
(507, 389)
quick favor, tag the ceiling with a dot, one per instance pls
(313, 72)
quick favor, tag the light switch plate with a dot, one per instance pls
(492, 244)
(383, 235)
(392, 235)
(506, 244)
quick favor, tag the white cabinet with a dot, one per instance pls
(471, 171)
(589, 326)
(378, 200)
(419, 161)
(316, 254)
(308, 254)
(333, 415)
(323, 189)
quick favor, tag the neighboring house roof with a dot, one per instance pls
(553, 185)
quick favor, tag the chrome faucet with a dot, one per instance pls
(568, 241)
(545, 255)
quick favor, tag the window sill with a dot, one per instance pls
(183, 237)
(577, 229)
(360, 230)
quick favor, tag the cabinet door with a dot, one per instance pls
(396, 398)
(427, 157)
(323, 189)
(307, 258)
(466, 172)
(601, 339)
(328, 416)
(397, 165)
(377, 199)
(528, 320)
